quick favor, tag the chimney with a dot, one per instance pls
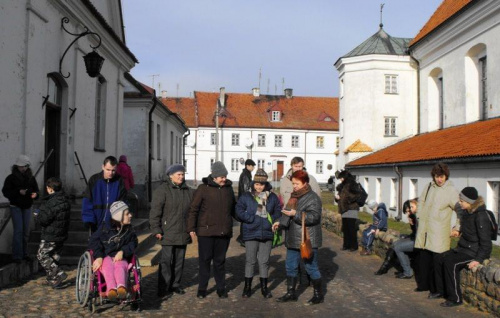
(163, 94)
(222, 97)
(256, 92)
(288, 92)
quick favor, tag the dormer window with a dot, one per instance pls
(328, 118)
(276, 115)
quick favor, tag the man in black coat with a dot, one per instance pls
(244, 185)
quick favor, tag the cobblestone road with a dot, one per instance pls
(351, 291)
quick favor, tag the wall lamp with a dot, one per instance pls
(93, 61)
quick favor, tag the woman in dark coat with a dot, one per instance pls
(167, 219)
(302, 201)
(258, 210)
(20, 188)
(210, 220)
(347, 194)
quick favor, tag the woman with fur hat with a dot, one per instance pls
(20, 188)
(472, 249)
(113, 247)
(258, 210)
(347, 193)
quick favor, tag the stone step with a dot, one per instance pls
(151, 256)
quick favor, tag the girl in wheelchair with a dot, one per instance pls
(113, 247)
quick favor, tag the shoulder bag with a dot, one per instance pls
(306, 251)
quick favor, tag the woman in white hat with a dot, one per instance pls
(21, 189)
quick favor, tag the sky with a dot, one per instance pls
(202, 45)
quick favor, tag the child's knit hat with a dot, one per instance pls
(117, 209)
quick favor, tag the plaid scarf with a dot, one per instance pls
(295, 196)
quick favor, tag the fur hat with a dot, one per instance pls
(260, 176)
(117, 209)
(219, 170)
(22, 161)
(372, 204)
(175, 168)
(249, 162)
(469, 195)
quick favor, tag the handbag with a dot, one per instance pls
(277, 237)
(306, 251)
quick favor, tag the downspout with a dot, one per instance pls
(150, 144)
(195, 158)
(399, 172)
(418, 92)
(186, 134)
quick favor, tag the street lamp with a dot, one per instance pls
(93, 61)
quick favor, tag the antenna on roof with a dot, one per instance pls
(260, 76)
(153, 76)
(177, 90)
(282, 84)
(159, 87)
(268, 82)
(381, 25)
(275, 89)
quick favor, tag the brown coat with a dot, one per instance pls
(348, 194)
(212, 209)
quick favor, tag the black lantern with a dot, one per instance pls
(93, 63)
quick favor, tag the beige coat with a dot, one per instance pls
(286, 187)
(434, 217)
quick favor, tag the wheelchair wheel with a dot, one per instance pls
(135, 278)
(84, 278)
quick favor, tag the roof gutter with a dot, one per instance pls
(150, 144)
(493, 158)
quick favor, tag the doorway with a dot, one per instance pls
(279, 171)
(52, 140)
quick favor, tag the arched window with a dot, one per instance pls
(476, 84)
(435, 94)
(100, 114)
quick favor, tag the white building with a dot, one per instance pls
(152, 148)
(48, 101)
(458, 53)
(269, 129)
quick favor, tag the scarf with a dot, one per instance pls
(295, 196)
(261, 199)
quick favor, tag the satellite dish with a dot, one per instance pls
(249, 143)
(242, 161)
(191, 143)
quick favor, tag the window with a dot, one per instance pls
(158, 142)
(261, 140)
(413, 189)
(319, 166)
(390, 126)
(212, 138)
(100, 114)
(171, 147)
(261, 163)
(177, 149)
(235, 139)
(275, 115)
(320, 142)
(278, 141)
(391, 84)
(295, 141)
(337, 142)
(493, 197)
(394, 193)
(235, 164)
(483, 84)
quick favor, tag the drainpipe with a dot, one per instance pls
(150, 143)
(399, 172)
(195, 158)
(418, 92)
(184, 138)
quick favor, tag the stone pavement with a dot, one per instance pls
(351, 291)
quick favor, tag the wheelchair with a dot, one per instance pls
(91, 287)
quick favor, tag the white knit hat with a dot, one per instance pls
(22, 161)
(372, 204)
(117, 209)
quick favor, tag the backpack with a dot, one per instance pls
(361, 200)
(494, 225)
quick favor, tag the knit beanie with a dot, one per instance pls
(249, 162)
(218, 169)
(117, 209)
(175, 168)
(372, 204)
(22, 161)
(469, 195)
(260, 176)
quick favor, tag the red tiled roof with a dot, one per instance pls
(245, 110)
(184, 107)
(147, 88)
(446, 10)
(476, 139)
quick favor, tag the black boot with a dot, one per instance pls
(291, 283)
(318, 297)
(389, 256)
(247, 290)
(263, 288)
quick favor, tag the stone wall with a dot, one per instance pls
(481, 286)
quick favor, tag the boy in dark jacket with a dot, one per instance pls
(54, 218)
(379, 224)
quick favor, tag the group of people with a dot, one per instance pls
(436, 266)
(179, 215)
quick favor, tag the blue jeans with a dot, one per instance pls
(367, 239)
(401, 247)
(293, 260)
(21, 222)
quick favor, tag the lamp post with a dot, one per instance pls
(93, 61)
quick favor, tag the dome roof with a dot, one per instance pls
(381, 43)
